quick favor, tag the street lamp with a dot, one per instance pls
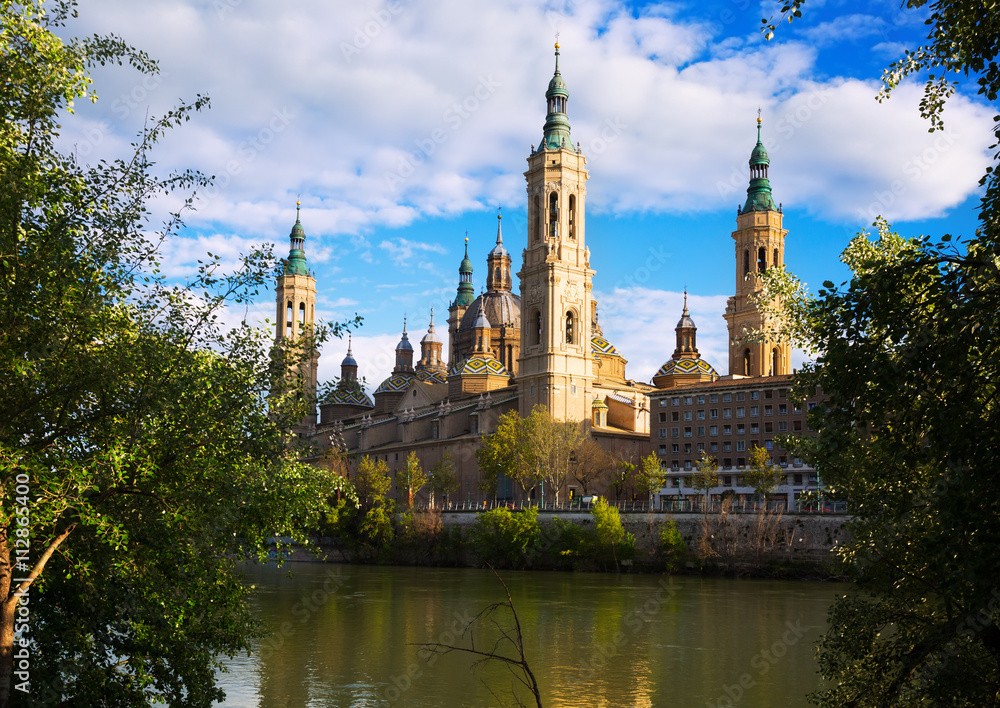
(543, 494)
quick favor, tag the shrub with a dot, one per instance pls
(502, 538)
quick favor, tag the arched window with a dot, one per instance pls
(553, 215)
(774, 362)
(535, 331)
(496, 276)
(776, 262)
(761, 259)
(302, 313)
(289, 319)
(746, 362)
(746, 263)
(537, 223)
(569, 328)
(572, 216)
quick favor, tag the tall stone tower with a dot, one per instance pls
(760, 244)
(556, 364)
(464, 297)
(296, 309)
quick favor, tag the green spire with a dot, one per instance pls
(295, 264)
(466, 293)
(556, 131)
(759, 191)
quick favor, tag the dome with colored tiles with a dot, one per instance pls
(476, 365)
(396, 383)
(685, 367)
(599, 345)
(348, 397)
(432, 377)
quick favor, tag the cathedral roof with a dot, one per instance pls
(685, 321)
(396, 383)
(759, 192)
(404, 343)
(295, 264)
(475, 365)
(500, 307)
(431, 336)
(599, 345)
(499, 251)
(433, 377)
(348, 397)
(686, 366)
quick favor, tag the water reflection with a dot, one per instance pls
(344, 636)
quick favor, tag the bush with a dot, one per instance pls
(502, 538)
(609, 539)
(671, 546)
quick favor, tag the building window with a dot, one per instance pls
(687, 432)
(754, 428)
(701, 431)
(714, 430)
(797, 426)
(714, 398)
(687, 448)
(535, 331)
(675, 401)
(782, 426)
(741, 412)
(436, 429)
(701, 415)
(687, 415)
(701, 399)
(740, 396)
(675, 432)
(768, 444)
(727, 412)
(754, 411)
(663, 417)
(727, 446)
(768, 410)
(714, 447)
(727, 430)
(782, 409)
(755, 395)
(569, 328)
(675, 416)
(782, 393)
(663, 403)
(768, 427)
(741, 463)
(713, 413)
(663, 432)
(663, 449)
(740, 429)
(811, 405)
(727, 480)
(675, 448)
(727, 397)
(797, 478)
(687, 464)
(687, 400)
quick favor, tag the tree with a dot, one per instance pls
(761, 473)
(609, 535)
(530, 450)
(139, 458)
(412, 477)
(371, 482)
(909, 433)
(589, 464)
(649, 475)
(706, 475)
(622, 472)
(442, 478)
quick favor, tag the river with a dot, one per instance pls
(344, 636)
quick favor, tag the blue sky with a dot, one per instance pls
(402, 127)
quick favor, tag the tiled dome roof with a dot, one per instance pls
(395, 383)
(479, 366)
(348, 397)
(433, 377)
(599, 345)
(686, 366)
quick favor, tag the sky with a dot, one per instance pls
(403, 126)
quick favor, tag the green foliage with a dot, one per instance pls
(706, 475)
(649, 475)
(412, 478)
(609, 537)
(761, 473)
(372, 482)
(503, 538)
(152, 459)
(442, 478)
(671, 546)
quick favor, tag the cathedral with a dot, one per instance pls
(541, 345)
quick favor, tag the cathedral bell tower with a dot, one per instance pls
(296, 305)
(760, 244)
(556, 362)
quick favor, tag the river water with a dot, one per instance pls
(345, 636)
